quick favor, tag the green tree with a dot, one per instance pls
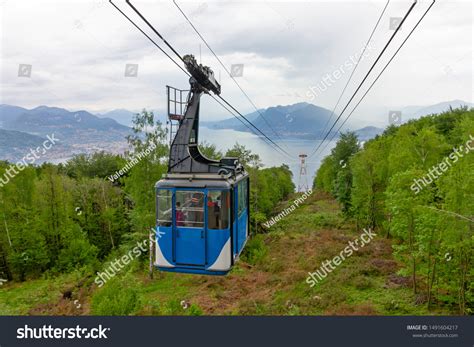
(96, 165)
(246, 157)
(210, 150)
(148, 134)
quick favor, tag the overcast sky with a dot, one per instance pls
(79, 49)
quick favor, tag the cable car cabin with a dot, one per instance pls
(202, 223)
(202, 204)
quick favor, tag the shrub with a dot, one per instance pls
(255, 251)
(115, 299)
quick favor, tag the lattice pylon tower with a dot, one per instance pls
(303, 179)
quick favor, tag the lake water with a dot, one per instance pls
(226, 138)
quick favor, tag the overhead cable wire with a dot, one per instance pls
(367, 74)
(154, 30)
(225, 68)
(353, 71)
(225, 101)
(241, 121)
(381, 72)
(275, 146)
(233, 108)
(149, 38)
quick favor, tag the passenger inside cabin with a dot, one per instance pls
(217, 210)
(179, 215)
(213, 211)
(211, 221)
(196, 216)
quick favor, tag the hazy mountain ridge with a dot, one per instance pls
(413, 112)
(301, 121)
(43, 119)
(307, 121)
(121, 116)
(83, 132)
(368, 133)
(14, 145)
(125, 117)
(77, 132)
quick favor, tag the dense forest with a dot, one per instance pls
(414, 184)
(76, 217)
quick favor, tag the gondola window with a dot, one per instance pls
(218, 209)
(164, 207)
(189, 209)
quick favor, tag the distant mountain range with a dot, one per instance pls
(77, 132)
(83, 132)
(14, 145)
(379, 116)
(121, 116)
(301, 121)
(307, 121)
(125, 117)
(368, 133)
(414, 112)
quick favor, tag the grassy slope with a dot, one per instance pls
(270, 279)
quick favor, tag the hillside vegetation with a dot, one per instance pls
(270, 279)
(415, 185)
(53, 250)
(64, 221)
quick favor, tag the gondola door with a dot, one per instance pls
(189, 227)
